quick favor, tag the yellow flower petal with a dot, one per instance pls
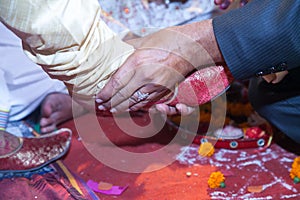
(206, 149)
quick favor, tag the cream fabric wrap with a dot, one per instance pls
(69, 40)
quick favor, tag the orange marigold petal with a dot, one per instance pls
(215, 179)
(295, 171)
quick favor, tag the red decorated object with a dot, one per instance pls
(20, 154)
(254, 132)
(234, 144)
(262, 142)
(202, 86)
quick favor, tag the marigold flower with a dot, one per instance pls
(206, 149)
(216, 180)
(295, 171)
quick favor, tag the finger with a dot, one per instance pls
(125, 98)
(117, 81)
(48, 129)
(133, 104)
(138, 106)
(162, 108)
(153, 97)
(46, 121)
(184, 109)
(120, 97)
(47, 125)
(153, 109)
(166, 109)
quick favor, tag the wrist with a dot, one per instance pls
(202, 33)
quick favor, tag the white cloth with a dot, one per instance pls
(23, 84)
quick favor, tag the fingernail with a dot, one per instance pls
(113, 110)
(99, 100)
(179, 107)
(101, 108)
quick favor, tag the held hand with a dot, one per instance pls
(161, 61)
(149, 74)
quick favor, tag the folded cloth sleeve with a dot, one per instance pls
(4, 102)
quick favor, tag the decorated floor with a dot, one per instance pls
(248, 174)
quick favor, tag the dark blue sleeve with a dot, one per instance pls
(260, 35)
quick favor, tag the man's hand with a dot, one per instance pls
(147, 76)
(160, 61)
